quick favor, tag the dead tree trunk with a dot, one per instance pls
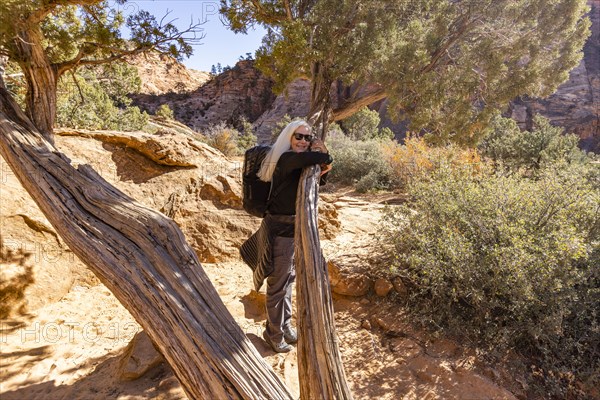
(143, 258)
(320, 368)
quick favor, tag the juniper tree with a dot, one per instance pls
(444, 64)
(47, 38)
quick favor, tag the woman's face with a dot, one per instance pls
(301, 139)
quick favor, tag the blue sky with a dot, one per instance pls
(219, 45)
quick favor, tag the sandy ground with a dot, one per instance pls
(72, 348)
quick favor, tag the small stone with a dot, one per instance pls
(168, 384)
(366, 325)
(365, 301)
(399, 286)
(381, 323)
(140, 357)
(383, 287)
(405, 348)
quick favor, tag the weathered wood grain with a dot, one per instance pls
(143, 258)
(320, 368)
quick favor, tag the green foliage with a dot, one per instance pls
(364, 125)
(278, 127)
(247, 138)
(358, 162)
(385, 133)
(15, 82)
(96, 98)
(164, 112)
(445, 65)
(65, 28)
(531, 150)
(508, 260)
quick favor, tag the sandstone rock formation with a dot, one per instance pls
(239, 92)
(294, 102)
(162, 74)
(185, 179)
(347, 283)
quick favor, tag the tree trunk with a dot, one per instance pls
(41, 77)
(143, 258)
(319, 113)
(352, 105)
(320, 368)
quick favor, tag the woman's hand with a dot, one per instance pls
(318, 146)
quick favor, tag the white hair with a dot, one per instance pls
(281, 145)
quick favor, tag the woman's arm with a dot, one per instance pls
(290, 161)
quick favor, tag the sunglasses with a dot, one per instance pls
(300, 136)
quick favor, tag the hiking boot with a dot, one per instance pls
(281, 347)
(290, 335)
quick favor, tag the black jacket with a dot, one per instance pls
(287, 176)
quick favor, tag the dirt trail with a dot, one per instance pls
(72, 349)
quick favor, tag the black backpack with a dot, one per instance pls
(256, 193)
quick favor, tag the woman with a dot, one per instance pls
(270, 251)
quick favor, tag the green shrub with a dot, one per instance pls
(530, 150)
(358, 162)
(385, 133)
(15, 82)
(247, 138)
(96, 98)
(363, 125)
(511, 261)
(164, 112)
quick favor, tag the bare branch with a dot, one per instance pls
(119, 53)
(79, 60)
(77, 84)
(288, 10)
